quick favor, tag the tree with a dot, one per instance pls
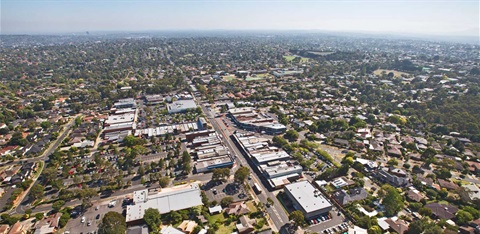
(425, 211)
(375, 230)
(112, 223)
(297, 218)
(45, 125)
(226, 201)
(463, 217)
(291, 135)
(163, 181)
(37, 191)
(475, 213)
(57, 206)
(141, 170)
(392, 201)
(153, 219)
(241, 175)
(270, 201)
(220, 174)
(174, 217)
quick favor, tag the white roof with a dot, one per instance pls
(170, 230)
(214, 209)
(175, 198)
(304, 193)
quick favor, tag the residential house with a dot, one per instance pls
(237, 208)
(394, 180)
(48, 225)
(447, 184)
(187, 226)
(397, 225)
(245, 225)
(472, 190)
(442, 211)
(414, 195)
(355, 194)
(4, 228)
(341, 142)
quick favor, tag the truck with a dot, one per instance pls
(257, 188)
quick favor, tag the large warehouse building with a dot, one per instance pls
(168, 199)
(307, 199)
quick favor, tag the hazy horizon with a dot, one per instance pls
(407, 17)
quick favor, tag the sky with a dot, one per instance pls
(425, 17)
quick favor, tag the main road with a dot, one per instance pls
(276, 211)
(21, 207)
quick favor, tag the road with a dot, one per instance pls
(276, 212)
(20, 209)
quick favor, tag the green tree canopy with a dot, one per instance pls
(153, 219)
(112, 223)
(241, 175)
(392, 201)
(297, 218)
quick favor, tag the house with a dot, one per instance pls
(473, 167)
(138, 230)
(355, 194)
(237, 208)
(341, 142)
(447, 184)
(472, 190)
(396, 181)
(48, 225)
(442, 211)
(414, 195)
(245, 225)
(187, 226)
(397, 225)
(215, 209)
(4, 229)
(170, 230)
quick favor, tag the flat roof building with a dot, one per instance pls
(247, 118)
(168, 199)
(181, 106)
(307, 199)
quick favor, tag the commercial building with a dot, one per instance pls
(168, 129)
(248, 119)
(209, 151)
(168, 199)
(307, 199)
(125, 103)
(276, 165)
(153, 99)
(181, 106)
(118, 119)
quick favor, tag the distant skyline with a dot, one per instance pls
(423, 17)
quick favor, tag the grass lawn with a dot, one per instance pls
(289, 58)
(214, 218)
(226, 229)
(229, 78)
(395, 73)
(304, 60)
(292, 57)
(250, 78)
(251, 206)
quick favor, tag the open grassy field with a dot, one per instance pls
(250, 78)
(226, 229)
(395, 73)
(229, 77)
(251, 206)
(292, 57)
